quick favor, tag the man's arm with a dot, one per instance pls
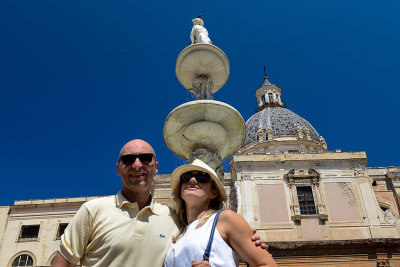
(74, 240)
(59, 261)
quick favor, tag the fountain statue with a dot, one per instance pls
(199, 32)
(203, 129)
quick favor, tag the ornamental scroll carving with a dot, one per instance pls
(261, 135)
(246, 176)
(348, 192)
(300, 133)
(307, 132)
(295, 209)
(302, 176)
(359, 172)
(269, 133)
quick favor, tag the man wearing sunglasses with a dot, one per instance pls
(128, 229)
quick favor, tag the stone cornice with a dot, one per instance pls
(319, 158)
(50, 203)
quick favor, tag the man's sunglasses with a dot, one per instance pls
(129, 159)
(201, 177)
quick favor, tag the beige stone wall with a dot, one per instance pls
(346, 205)
(272, 203)
(3, 221)
(46, 213)
(42, 249)
(341, 201)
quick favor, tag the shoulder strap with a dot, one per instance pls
(206, 255)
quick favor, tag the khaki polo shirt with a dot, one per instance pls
(111, 231)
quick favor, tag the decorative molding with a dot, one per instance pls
(269, 133)
(359, 172)
(203, 86)
(321, 212)
(300, 133)
(323, 142)
(296, 215)
(390, 217)
(261, 135)
(307, 132)
(246, 176)
(302, 176)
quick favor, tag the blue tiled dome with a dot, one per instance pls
(281, 120)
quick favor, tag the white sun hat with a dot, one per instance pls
(197, 165)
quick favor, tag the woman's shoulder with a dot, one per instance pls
(230, 220)
(230, 215)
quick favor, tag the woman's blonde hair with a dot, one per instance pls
(180, 208)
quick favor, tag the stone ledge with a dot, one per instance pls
(334, 247)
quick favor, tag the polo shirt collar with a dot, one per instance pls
(120, 201)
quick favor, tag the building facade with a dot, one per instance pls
(315, 207)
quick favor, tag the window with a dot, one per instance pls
(61, 229)
(304, 183)
(306, 200)
(270, 98)
(30, 232)
(23, 260)
(263, 99)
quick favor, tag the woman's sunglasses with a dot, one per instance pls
(201, 177)
(129, 159)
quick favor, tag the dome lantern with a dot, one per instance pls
(268, 95)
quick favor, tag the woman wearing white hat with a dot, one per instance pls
(198, 195)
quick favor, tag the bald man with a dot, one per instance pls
(128, 229)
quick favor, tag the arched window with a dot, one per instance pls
(263, 99)
(23, 260)
(270, 98)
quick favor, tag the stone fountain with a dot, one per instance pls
(204, 128)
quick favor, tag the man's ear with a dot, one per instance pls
(156, 165)
(118, 169)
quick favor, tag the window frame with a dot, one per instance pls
(305, 178)
(24, 239)
(58, 235)
(263, 101)
(308, 204)
(22, 253)
(270, 97)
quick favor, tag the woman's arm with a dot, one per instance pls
(59, 261)
(237, 233)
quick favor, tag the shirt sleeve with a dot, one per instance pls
(76, 236)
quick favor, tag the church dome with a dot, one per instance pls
(276, 129)
(283, 122)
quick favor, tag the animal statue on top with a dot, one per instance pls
(199, 32)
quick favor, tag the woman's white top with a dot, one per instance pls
(193, 243)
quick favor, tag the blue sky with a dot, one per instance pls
(78, 79)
